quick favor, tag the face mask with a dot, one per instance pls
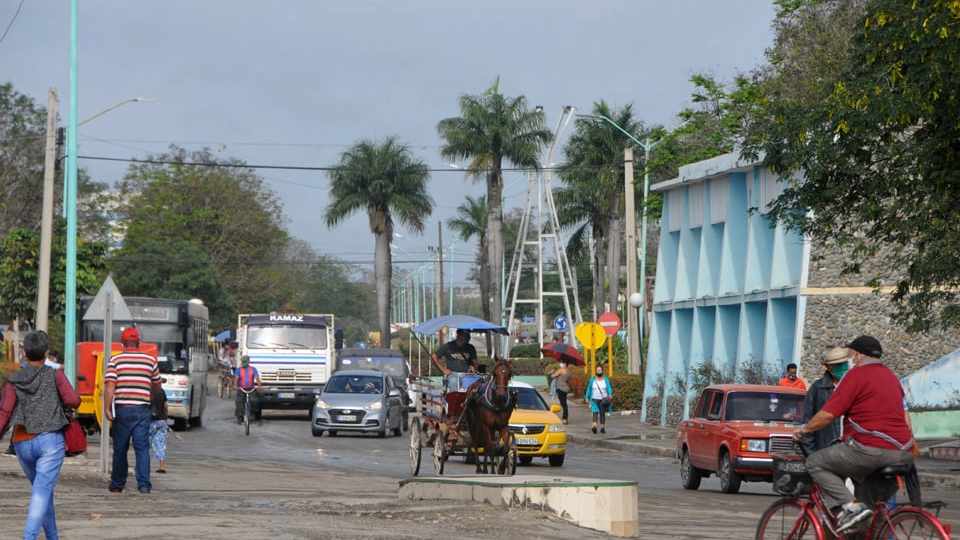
(244, 364)
(837, 370)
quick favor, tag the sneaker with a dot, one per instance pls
(852, 516)
(594, 429)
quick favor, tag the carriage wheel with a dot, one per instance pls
(416, 441)
(509, 464)
(439, 452)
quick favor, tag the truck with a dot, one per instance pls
(293, 352)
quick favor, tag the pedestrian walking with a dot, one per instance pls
(561, 377)
(158, 426)
(600, 397)
(33, 401)
(127, 386)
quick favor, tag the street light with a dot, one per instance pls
(628, 187)
(70, 204)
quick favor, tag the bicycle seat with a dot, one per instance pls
(893, 471)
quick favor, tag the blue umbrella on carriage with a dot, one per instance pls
(460, 322)
(224, 336)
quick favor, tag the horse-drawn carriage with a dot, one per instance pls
(472, 421)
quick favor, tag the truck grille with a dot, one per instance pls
(285, 376)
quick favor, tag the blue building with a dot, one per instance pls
(742, 298)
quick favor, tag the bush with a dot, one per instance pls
(531, 350)
(627, 389)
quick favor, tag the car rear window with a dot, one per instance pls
(763, 406)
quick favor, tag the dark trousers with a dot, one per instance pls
(254, 404)
(562, 396)
(131, 423)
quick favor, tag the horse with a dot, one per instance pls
(488, 405)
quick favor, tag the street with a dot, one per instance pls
(281, 482)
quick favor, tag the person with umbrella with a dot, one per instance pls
(561, 376)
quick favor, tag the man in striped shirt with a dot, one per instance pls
(127, 384)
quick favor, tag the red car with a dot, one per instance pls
(734, 430)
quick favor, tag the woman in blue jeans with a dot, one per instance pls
(33, 401)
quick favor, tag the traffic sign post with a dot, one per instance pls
(610, 323)
(592, 336)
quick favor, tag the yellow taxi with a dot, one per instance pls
(536, 427)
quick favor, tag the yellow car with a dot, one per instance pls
(536, 427)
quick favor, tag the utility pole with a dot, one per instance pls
(440, 266)
(633, 350)
(46, 218)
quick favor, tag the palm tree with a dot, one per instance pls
(388, 182)
(492, 128)
(593, 196)
(471, 221)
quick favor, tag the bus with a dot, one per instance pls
(175, 331)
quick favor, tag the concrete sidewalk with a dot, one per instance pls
(626, 433)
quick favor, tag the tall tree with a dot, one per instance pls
(492, 128)
(877, 142)
(387, 182)
(471, 221)
(221, 207)
(594, 176)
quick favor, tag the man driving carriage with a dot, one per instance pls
(459, 356)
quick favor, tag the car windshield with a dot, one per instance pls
(395, 367)
(763, 406)
(529, 399)
(354, 384)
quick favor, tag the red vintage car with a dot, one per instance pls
(734, 430)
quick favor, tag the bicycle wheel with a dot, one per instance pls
(246, 416)
(912, 524)
(788, 519)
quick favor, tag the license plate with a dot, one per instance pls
(528, 441)
(286, 395)
(347, 418)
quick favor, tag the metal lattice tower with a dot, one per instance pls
(540, 248)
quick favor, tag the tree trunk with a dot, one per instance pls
(598, 273)
(485, 287)
(383, 274)
(495, 251)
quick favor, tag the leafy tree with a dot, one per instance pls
(877, 144)
(177, 270)
(492, 128)
(219, 206)
(333, 288)
(387, 182)
(593, 197)
(20, 267)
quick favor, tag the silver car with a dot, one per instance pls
(359, 401)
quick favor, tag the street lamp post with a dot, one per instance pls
(634, 352)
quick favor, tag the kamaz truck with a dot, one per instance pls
(294, 354)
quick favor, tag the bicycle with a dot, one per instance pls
(247, 413)
(795, 518)
(225, 382)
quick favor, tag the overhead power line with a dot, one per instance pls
(15, 15)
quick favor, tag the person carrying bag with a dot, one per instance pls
(33, 401)
(599, 396)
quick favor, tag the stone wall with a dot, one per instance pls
(846, 308)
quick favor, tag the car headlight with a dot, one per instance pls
(322, 404)
(373, 406)
(753, 445)
(557, 427)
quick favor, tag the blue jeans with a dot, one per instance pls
(131, 422)
(41, 458)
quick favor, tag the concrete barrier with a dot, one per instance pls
(603, 505)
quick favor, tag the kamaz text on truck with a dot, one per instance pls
(294, 354)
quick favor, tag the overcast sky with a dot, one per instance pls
(294, 82)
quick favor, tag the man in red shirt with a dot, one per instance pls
(876, 432)
(126, 391)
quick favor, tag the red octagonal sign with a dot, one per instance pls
(610, 322)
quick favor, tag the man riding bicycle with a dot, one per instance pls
(876, 434)
(247, 378)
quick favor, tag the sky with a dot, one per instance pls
(296, 82)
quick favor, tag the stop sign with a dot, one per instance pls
(610, 322)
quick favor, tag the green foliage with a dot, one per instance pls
(749, 372)
(531, 350)
(177, 270)
(706, 374)
(627, 391)
(877, 143)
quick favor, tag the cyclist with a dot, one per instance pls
(876, 431)
(245, 378)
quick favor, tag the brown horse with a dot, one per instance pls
(488, 405)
